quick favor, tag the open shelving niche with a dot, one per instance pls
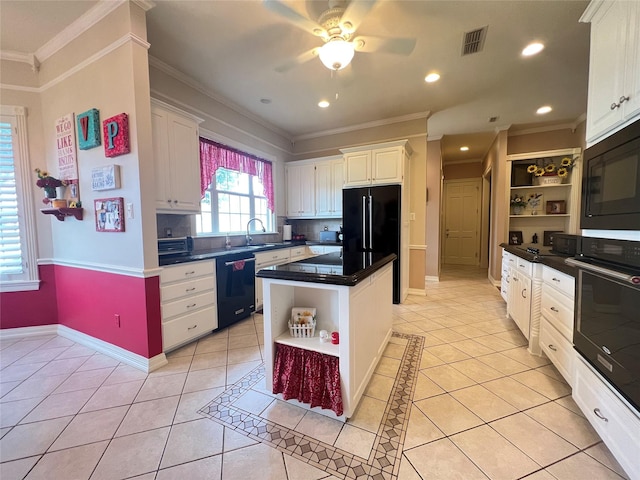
(538, 223)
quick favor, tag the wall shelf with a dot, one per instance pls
(540, 215)
(536, 187)
(62, 213)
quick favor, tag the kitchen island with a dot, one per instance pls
(352, 295)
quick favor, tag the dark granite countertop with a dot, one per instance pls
(546, 257)
(198, 255)
(332, 268)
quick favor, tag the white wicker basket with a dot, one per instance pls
(306, 330)
(548, 180)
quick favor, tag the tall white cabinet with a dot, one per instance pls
(614, 67)
(176, 152)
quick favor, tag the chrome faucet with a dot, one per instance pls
(249, 239)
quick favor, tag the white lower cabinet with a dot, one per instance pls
(188, 302)
(268, 259)
(615, 422)
(556, 325)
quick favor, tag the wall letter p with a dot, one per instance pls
(112, 132)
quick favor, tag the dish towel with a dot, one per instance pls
(238, 265)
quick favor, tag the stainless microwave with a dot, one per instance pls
(611, 182)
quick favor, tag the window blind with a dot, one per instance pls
(10, 244)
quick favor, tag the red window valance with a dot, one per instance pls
(214, 155)
(310, 377)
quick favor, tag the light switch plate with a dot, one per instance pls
(129, 210)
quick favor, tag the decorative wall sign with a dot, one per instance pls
(555, 207)
(66, 148)
(105, 178)
(109, 214)
(116, 135)
(88, 129)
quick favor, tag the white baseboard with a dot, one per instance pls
(431, 278)
(133, 359)
(23, 332)
(494, 282)
(417, 291)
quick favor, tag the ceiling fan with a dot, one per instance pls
(336, 26)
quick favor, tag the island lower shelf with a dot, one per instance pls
(361, 314)
(314, 344)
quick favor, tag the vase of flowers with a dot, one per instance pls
(550, 173)
(517, 204)
(48, 184)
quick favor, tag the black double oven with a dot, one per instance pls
(607, 309)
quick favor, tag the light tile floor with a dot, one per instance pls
(456, 396)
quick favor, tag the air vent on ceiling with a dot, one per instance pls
(473, 41)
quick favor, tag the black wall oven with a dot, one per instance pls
(607, 326)
(611, 182)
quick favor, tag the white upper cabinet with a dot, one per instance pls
(614, 67)
(300, 190)
(329, 181)
(177, 159)
(379, 164)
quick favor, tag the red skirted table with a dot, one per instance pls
(308, 376)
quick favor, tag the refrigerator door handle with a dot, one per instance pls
(364, 221)
(371, 222)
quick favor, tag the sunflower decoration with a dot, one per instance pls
(566, 164)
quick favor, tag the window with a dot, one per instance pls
(236, 187)
(18, 269)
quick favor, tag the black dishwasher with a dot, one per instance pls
(235, 281)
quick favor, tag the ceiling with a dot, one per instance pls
(231, 48)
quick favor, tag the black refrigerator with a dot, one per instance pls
(371, 222)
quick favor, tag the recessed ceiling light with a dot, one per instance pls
(432, 77)
(543, 110)
(266, 101)
(464, 149)
(323, 104)
(532, 49)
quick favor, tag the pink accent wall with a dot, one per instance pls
(32, 308)
(89, 300)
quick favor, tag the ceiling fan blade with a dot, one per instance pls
(295, 18)
(355, 13)
(398, 46)
(299, 60)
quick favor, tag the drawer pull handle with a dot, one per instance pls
(599, 414)
(553, 347)
(191, 328)
(554, 309)
(515, 279)
(556, 279)
(190, 289)
(524, 293)
(190, 273)
(192, 305)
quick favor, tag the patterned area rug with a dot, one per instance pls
(383, 462)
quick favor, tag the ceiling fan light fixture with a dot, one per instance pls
(336, 54)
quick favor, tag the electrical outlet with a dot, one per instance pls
(413, 216)
(117, 315)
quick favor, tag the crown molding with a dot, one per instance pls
(459, 162)
(28, 58)
(145, 5)
(78, 27)
(189, 81)
(362, 126)
(434, 138)
(550, 128)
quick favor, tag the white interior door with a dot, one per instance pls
(461, 222)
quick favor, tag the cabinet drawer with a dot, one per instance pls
(187, 304)
(183, 329)
(524, 266)
(272, 257)
(298, 253)
(620, 429)
(561, 281)
(557, 348)
(189, 287)
(186, 271)
(559, 310)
